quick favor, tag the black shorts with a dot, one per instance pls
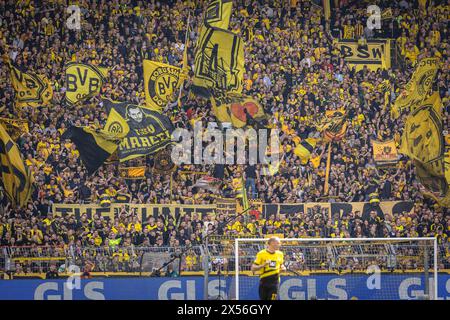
(268, 288)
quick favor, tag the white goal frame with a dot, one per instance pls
(435, 252)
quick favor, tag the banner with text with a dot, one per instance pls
(376, 54)
(144, 211)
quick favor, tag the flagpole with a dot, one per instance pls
(171, 185)
(186, 39)
(327, 173)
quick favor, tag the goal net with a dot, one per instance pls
(359, 268)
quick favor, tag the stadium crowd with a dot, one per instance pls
(292, 66)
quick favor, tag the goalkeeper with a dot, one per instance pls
(269, 262)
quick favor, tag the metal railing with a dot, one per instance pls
(139, 260)
(107, 259)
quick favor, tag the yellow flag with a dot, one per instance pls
(31, 89)
(220, 111)
(423, 142)
(161, 81)
(94, 146)
(15, 176)
(116, 125)
(334, 125)
(15, 127)
(417, 89)
(219, 63)
(422, 138)
(83, 81)
(218, 13)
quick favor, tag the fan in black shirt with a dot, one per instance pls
(52, 273)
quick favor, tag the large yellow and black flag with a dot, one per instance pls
(219, 57)
(147, 131)
(83, 81)
(94, 145)
(423, 142)
(418, 87)
(15, 176)
(31, 89)
(161, 82)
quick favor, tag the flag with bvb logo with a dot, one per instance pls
(161, 82)
(83, 81)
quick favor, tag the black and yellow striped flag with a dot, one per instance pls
(16, 178)
(304, 149)
(95, 146)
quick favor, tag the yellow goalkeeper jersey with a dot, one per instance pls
(276, 259)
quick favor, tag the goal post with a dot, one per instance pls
(343, 268)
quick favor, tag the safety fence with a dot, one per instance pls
(218, 254)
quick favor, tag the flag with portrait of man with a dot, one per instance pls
(142, 131)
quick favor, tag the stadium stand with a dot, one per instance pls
(294, 66)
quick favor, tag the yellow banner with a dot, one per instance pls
(83, 81)
(384, 152)
(161, 82)
(376, 55)
(144, 211)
